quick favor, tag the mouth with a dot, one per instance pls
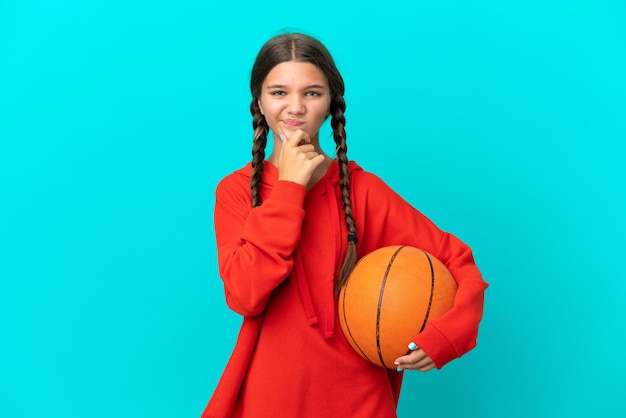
(292, 123)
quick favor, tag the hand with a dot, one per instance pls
(298, 159)
(416, 360)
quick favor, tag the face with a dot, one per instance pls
(295, 95)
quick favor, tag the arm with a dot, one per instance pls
(255, 246)
(455, 333)
(392, 221)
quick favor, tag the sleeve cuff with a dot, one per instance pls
(436, 345)
(289, 192)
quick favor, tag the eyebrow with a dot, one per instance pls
(310, 86)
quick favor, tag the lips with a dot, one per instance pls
(292, 123)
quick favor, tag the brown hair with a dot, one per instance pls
(303, 48)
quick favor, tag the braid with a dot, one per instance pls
(258, 150)
(338, 123)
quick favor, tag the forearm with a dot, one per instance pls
(255, 246)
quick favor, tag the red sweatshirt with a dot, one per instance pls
(279, 262)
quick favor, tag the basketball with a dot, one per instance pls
(388, 299)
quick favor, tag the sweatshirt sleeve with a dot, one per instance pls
(456, 332)
(255, 245)
(390, 220)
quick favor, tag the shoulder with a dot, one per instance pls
(238, 180)
(363, 181)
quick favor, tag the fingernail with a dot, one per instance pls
(412, 346)
(399, 369)
(281, 137)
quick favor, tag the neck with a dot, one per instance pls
(320, 172)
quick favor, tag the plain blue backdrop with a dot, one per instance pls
(504, 122)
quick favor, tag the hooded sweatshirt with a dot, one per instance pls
(279, 263)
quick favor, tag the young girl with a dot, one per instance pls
(289, 229)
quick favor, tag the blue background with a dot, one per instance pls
(504, 122)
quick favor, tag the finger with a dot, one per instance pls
(309, 155)
(407, 358)
(415, 361)
(306, 149)
(423, 363)
(423, 366)
(283, 137)
(318, 159)
(415, 357)
(299, 137)
(426, 368)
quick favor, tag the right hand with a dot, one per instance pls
(298, 160)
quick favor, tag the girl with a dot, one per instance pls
(288, 231)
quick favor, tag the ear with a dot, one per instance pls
(260, 107)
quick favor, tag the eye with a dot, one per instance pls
(313, 93)
(278, 93)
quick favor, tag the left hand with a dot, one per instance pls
(416, 360)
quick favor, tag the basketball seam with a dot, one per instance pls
(432, 290)
(345, 320)
(380, 303)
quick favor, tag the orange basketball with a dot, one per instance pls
(389, 298)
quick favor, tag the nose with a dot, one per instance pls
(295, 105)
